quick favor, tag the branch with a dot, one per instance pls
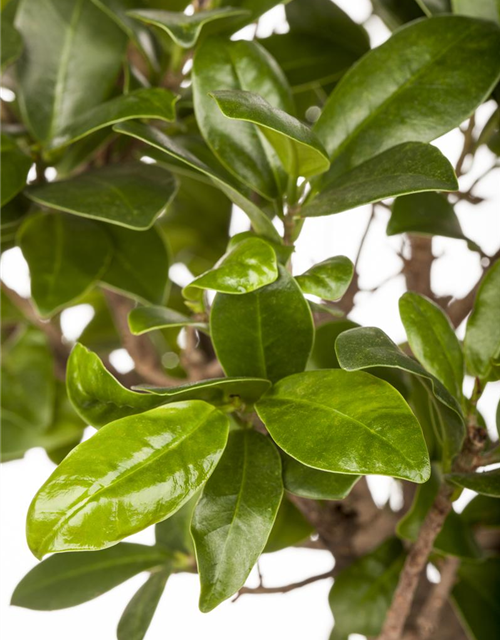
(261, 589)
(417, 269)
(468, 147)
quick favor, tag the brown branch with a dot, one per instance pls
(261, 589)
(417, 268)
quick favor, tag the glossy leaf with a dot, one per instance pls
(248, 266)
(221, 64)
(75, 73)
(486, 9)
(313, 484)
(143, 103)
(329, 419)
(261, 223)
(482, 510)
(174, 533)
(130, 195)
(235, 514)
(329, 279)
(482, 336)
(186, 29)
(132, 473)
(486, 483)
(66, 256)
(248, 339)
(290, 528)
(144, 319)
(406, 168)
(11, 44)
(433, 341)
(69, 579)
(139, 612)
(15, 167)
(298, 148)
(412, 102)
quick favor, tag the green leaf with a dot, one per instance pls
(475, 598)
(313, 484)
(66, 256)
(139, 612)
(254, 9)
(397, 12)
(486, 9)
(298, 148)
(15, 167)
(174, 533)
(406, 168)
(130, 195)
(261, 223)
(433, 341)
(323, 355)
(329, 279)
(412, 102)
(482, 510)
(328, 420)
(362, 593)
(69, 579)
(482, 336)
(132, 473)
(221, 64)
(144, 280)
(248, 266)
(76, 72)
(435, 7)
(144, 319)
(369, 347)
(143, 103)
(486, 483)
(11, 45)
(267, 333)
(290, 528)
(455, 538)
(186, 29)
(235, 514)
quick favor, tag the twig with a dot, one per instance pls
(468, 147)
(285, 588)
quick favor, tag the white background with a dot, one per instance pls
(302, 614)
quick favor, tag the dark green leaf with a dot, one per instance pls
(397, 12)
(323, 355)
(174, 533)
(328, 279)
(144, 319)
(362, 593)
(328, 420)
(267, 333)
(131, 195)
(307, 482)
(482, 510)
(406, 168)
(132, 473)
(290, 528)
(486, 483)
(11, 45)
(75, 73)
(69, 579)
(235, 514)
(15, 167)
(486, 9)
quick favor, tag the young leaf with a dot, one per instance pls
(69, 579)
(235, 514)
(267, 333)
(329, 419)
(11, 44)
(132, 473)
(139, 612)
(66, 256)
(58, 83)
(411, 103)
(131, 194)
(15, 167)
(486, 483)
(289, 528)
(406, 168)
(298, 148)
(314, 484)
(362, 593)
(482, 336)
(144, 319)
(328, 279)
(433, 340)
(221, 64)
(486, 9)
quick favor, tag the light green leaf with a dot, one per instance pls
(139, 612)
(143, 103)
(267, 333)
(57, 83)
(132, 473)
(433, 341)
(66, 256)
(235, 514)
(15, 167)
(222, 64)
(328, 420)
(313, 484)
(482, 336)
(362, 593)
(412, 102)
(261, 223)
(406, 168)
(130, 195)
(186, 29)
(298, 148)
(144, 319)
(67, 580)
(486, 9)
(289, 528)
(11, 44)
(329, 279)
(486, 483)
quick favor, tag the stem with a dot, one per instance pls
(285, 588)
